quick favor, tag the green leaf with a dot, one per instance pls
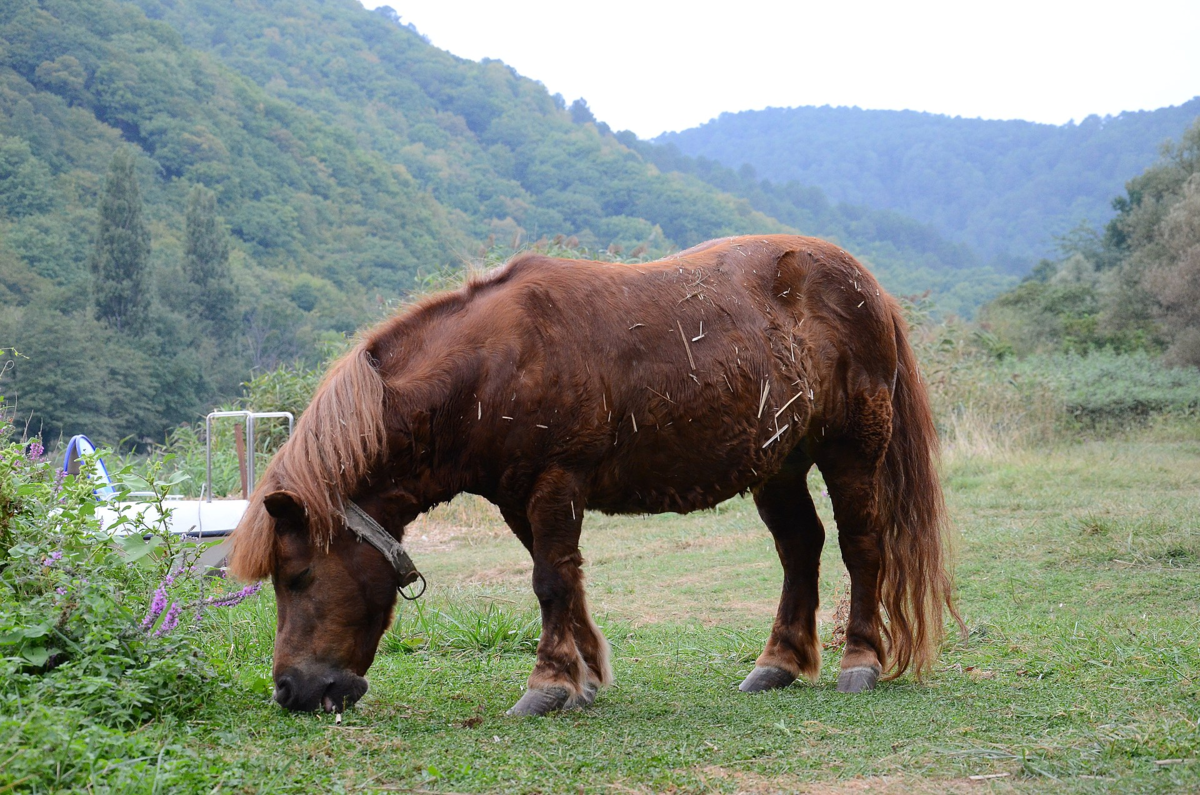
(176, 478)
(36, 655)
(257, 682)
(136, 548)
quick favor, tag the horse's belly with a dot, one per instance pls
(660, 475)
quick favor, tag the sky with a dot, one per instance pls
(655, 66)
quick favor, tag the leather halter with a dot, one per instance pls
(369, 530)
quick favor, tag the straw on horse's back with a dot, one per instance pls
(680, 382)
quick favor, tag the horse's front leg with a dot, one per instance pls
(572, 656)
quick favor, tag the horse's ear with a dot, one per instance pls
(285, 508)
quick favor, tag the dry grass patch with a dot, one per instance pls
(745, 782)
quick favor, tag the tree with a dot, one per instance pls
(206, 259)
(118, 263)
(1174, 281)
(581, 113)
(26, 186)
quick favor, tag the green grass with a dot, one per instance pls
(1079, 578)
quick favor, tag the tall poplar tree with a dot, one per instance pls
(206, 259)
(120, 283)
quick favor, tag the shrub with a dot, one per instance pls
(987, 401)
(1108, 389)
(82, 625)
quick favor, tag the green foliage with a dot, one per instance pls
(206, 261)
(90, 648)
(1134, 288)
(25, 181)
(79, 375)
(58, 749)
(70, 610)
(1106, 389)
(463, 629)
(989, 398)
(1154, 243)
(1060, 315)
(118, 263)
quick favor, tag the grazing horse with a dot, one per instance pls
(552, 387)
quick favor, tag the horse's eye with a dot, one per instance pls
(300, 581)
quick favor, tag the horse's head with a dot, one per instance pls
(334, 606)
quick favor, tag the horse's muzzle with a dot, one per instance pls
(331, 690)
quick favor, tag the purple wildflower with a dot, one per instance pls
(54, 558)
(170, 620)
(60, 591)
(156, 607)
(34, 450)
(229, 600)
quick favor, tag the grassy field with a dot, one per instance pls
(1079, 578)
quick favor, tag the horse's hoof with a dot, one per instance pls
(584, 699)
(858, 679)
(540, 700)
(766, 677)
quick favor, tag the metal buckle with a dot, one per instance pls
(419, 593)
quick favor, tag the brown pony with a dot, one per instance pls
(552, 387)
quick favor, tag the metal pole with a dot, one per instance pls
(208, 456)
(249, 417)
(250, 453)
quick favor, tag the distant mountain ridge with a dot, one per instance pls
(908, 256)
(504, 158)
(1004, 187)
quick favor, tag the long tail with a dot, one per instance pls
(916, 585)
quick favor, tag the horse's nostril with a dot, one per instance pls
(283, 690)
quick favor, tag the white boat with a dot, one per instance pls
(206, 520)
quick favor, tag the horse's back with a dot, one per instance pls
(669, 385)
(681, 382)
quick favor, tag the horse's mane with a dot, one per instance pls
(338, 439)
(341, 436)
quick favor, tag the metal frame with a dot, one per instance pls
(249, 417)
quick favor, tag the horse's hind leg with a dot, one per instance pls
(788, 511)
(572, 655)
(852, 465)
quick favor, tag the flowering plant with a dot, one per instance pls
(104, 618)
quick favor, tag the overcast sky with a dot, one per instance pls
(653, 66)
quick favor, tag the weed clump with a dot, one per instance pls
(100, 626)
(458, 629)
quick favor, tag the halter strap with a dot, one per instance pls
(369, 530)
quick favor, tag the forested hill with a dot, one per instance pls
(509, 157)
(284, 167)
(494, 149)
(1004, 187)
